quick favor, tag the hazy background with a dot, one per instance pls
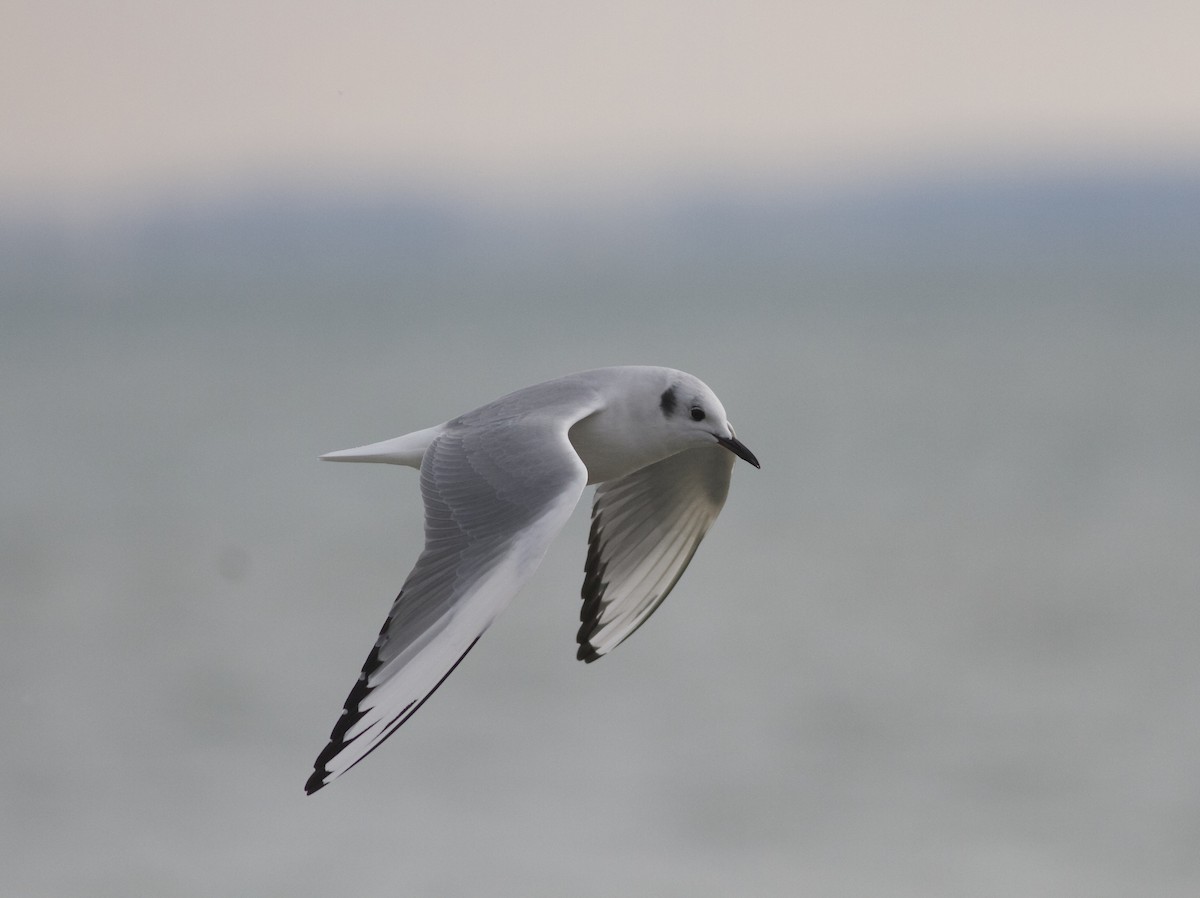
(942, 265)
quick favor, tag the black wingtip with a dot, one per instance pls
(592, 592)
(587, 653)
(351, 714)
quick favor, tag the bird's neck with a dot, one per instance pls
(612, 443)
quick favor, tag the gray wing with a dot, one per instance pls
(495, 496)
(645, 528)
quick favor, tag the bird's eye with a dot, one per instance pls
(697, 413)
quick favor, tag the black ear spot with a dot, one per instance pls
(668, 402)
(697, 413)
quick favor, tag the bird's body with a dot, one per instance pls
(498, 484)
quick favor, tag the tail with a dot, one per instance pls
(406, 450)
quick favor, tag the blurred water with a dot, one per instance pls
(942, 644)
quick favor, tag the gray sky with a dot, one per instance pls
(101, 101)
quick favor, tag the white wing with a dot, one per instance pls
(645, 528)
(495, 496)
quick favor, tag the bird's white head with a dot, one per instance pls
(694, 415)
(648, 415)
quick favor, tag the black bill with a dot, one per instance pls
(738, 448)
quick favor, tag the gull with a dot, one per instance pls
(498, 484)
